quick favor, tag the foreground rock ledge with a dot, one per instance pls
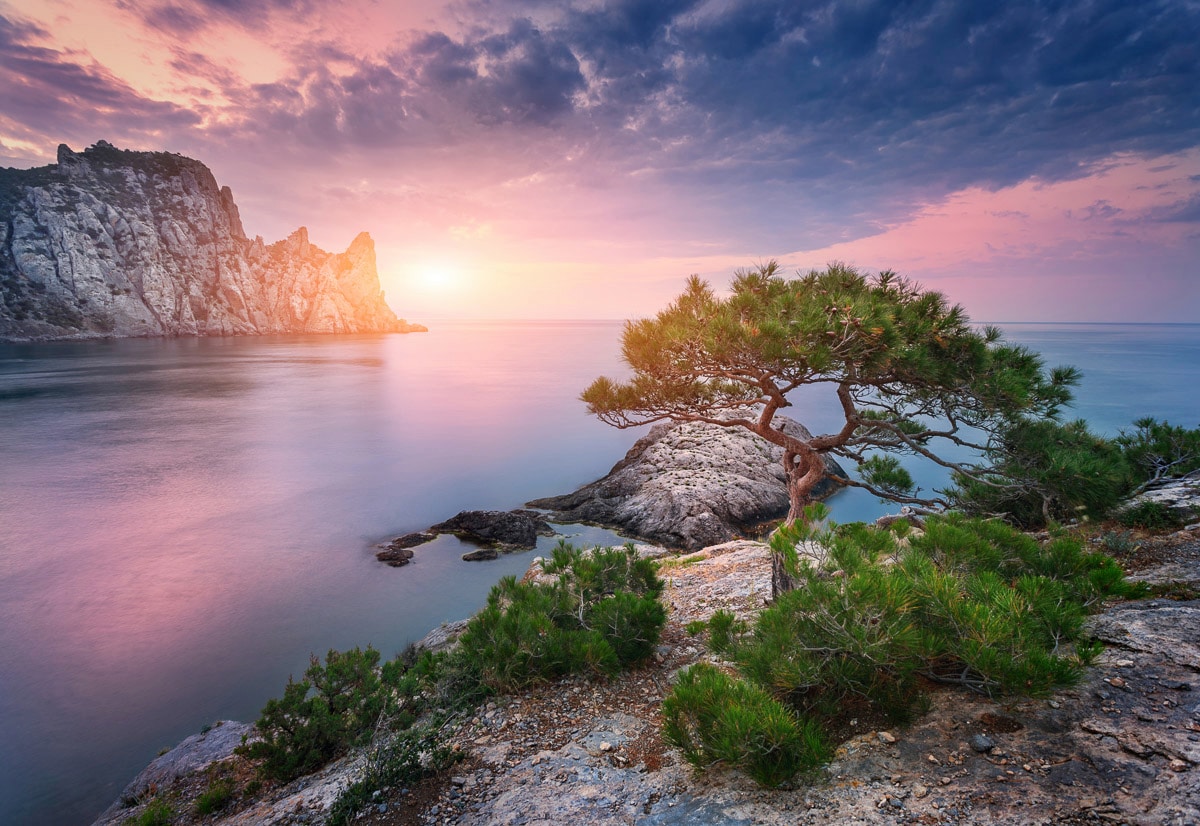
(688, 486)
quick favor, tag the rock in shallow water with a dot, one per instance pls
(502, 530)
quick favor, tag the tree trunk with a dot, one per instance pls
(802, 478)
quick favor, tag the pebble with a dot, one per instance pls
(887, 737)
(982, 743)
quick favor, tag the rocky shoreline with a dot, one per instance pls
(1121, 747)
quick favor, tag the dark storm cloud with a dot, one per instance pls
(963, 93)
(870, 93)
(434, 91)
(53, 93)
(530, 78)
(842, 99)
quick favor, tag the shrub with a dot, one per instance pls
(970, 602)
(410, 756)
(1118, 542)
(1149, 516)
(158, 812)
(215, 797)
(711, 717)
(602, 613)
(335, 706)
(1160, 450)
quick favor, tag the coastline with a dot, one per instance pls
(592, 752)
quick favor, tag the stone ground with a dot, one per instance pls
(1121, 747)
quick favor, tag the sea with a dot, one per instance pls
(184, 522)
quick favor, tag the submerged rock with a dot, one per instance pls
(689, 485)
(481, 555)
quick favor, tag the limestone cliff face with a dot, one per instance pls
(116, 243)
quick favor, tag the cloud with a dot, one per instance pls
(724, 128)
(187, 18)
(51, 92)
(1185, 211)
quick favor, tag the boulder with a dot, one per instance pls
(689, 485)
(1180, 497)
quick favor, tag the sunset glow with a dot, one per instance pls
(581, 160)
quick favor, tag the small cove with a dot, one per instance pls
(183, 521)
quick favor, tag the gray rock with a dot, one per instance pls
(688, 486)
(982, 743)
(396, 557)
(191, 755)
(442, 637)
(1168, 630)
(115, 243)
(481, 555)
(398, 552)
(1181, 498)
(504, 530)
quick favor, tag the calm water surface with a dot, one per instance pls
(183, 522)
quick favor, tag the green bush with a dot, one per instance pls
(216, 797)
(407, 758)
(970, 602)
(601, 613)
(710, 717)
(158, 812)
(334, 707)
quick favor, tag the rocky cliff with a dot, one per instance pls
(109, 242)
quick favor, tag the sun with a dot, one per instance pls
(438, 276)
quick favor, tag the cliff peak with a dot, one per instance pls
(114, 242)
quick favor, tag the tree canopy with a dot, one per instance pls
(911, 375)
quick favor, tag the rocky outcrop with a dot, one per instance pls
(1180, 498)
(398, 552)
(688, 486)
(110, 242)
(503, 530)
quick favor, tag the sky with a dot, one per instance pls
(1034, 161)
